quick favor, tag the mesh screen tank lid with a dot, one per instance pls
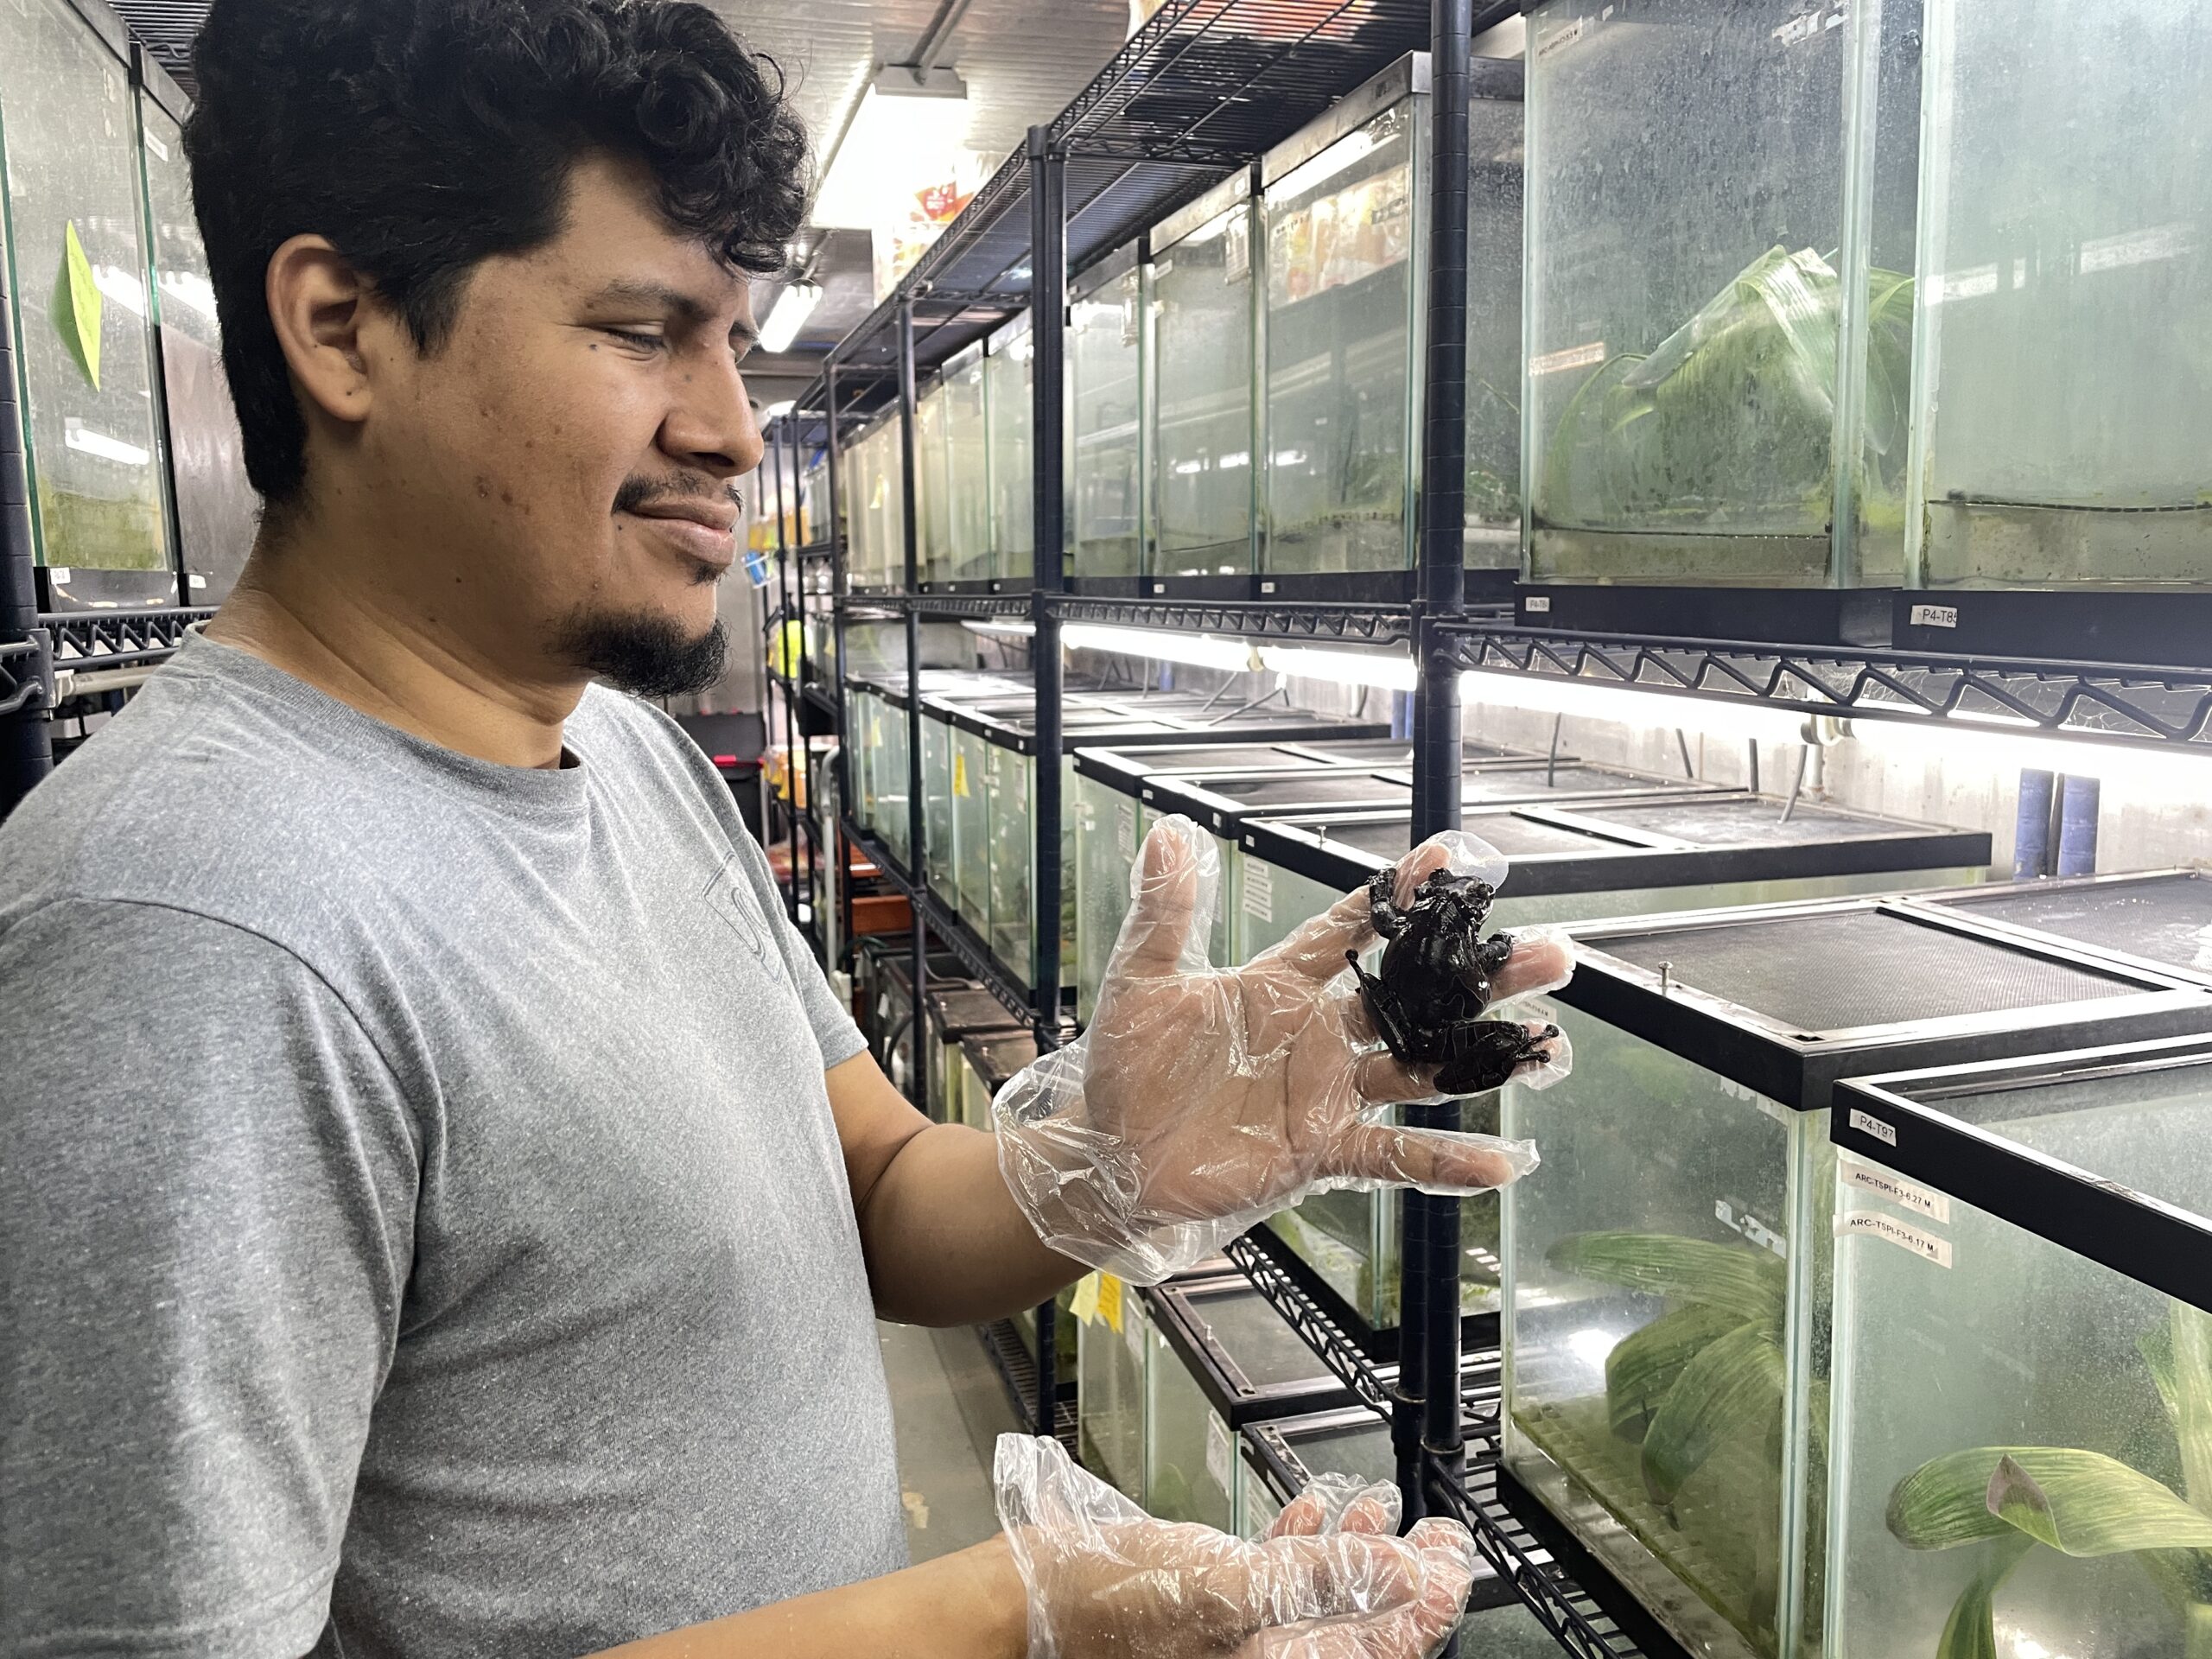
(1927, 1127)
(1126, 772)
(2161, 918)
(962, 1008)
(1242, 1354)
(1786, 999)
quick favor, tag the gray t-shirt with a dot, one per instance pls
(423, 1229)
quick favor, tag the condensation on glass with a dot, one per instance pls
(1202, 400)
(83, 321)
(1105, 449)
(2063, 385)
(1720, 290)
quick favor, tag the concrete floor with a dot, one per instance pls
(949, 1408)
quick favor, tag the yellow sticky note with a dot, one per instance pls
(960, 776)
(1110, 1299)
(78, 306)
(1084, 1303)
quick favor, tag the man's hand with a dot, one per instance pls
(1202, 1096)
(1331, 1581)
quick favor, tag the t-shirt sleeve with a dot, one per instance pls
(208, 1185)
(834, 1030)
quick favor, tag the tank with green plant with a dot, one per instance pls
(2022, 1408)
(1719, 291)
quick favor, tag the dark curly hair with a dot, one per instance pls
(423, 136)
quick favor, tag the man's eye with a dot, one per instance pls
(643, 342)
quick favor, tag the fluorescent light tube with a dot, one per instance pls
(789, 314)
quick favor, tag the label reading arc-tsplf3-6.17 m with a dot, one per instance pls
(1897, 1231)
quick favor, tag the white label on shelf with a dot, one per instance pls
(194, 579)
(1907, 1195)
(1903, 1234)
(1799, 28)
(58, 573)
(1867, 1124)
(1935, 616)
(1539, 605)
(1267, 586)
(1218, 1451)
(1260, 890)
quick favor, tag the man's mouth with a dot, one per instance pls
(704, 530)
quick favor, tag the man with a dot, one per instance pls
(443, 1209)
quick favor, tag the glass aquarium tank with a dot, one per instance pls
(1013, 500)
(1276, 1461)
(2023, 1370)
(74, 218)
(2064, 293)
(1345, 204)
(1201, 403)
(1626, 854)
(878, 561)
(939, 802)
(890, 776)
(1720, 290)
(989, 1059)
(1218, 1357)
(955, 1009)
(1110, 1387)
(1668, 1295)
(970, 893)
(1105, 391)
(967, 464)
(864, 726)
(933, 486)
(218, 513)
(2162, 918)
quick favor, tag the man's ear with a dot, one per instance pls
(319, 305)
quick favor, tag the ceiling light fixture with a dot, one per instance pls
(897, 141)
(789, 314)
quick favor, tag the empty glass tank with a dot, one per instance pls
(1217, 1356)
(1275, 1461)
(933, 480)
(217, 510)
(1200, 412)
(990, 1059)
(2163, 917)
(939, 803)
(1014, 506)
(1346, 207)
(878, 529)
(890, 777)
(2024, 1360)
(2065, 293)
(967, 464)
(957, 1010)
(1105, 368)
(1110, 1387)
(1668, 1289)
(84, 351)
(970, 893)
(1719, 304)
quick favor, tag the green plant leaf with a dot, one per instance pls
(1730, 1391)
(78, 306)
(2081, 1503)
(2188, 1396)
(1748, 1282)
(1643, 1365)
(1971, 1632)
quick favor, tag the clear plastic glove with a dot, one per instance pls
(1332, 1581)
(1202, 1100)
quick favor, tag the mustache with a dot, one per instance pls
(638, 493)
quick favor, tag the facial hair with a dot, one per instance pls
(647, 656)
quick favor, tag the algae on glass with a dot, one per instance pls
(2065, 377)
(73, 209)
(1721, 199)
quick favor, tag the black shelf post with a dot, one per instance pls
(26, 748)
(1427, 1420)
(909, 530)
(1048, 267)
(799, 766)
(841, 862)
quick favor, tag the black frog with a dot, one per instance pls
(1428, 1000)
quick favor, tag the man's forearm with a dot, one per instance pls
(968, 1605)
(946, 1243)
